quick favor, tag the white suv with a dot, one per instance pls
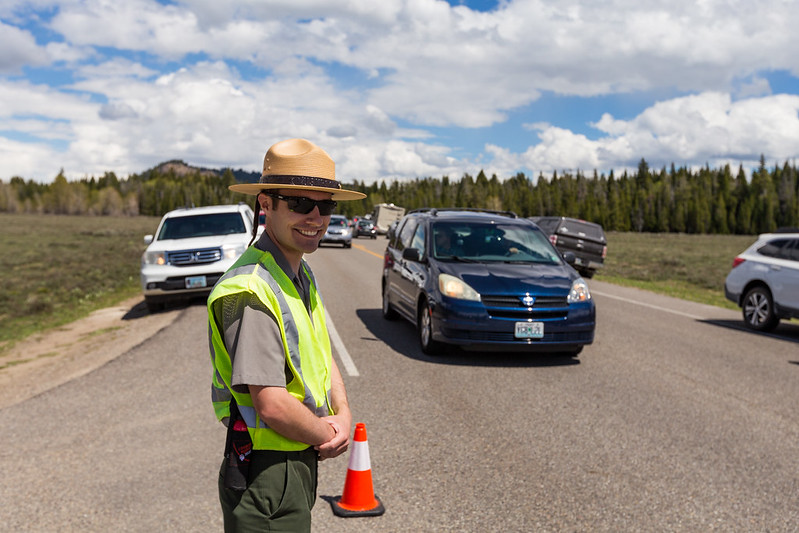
(191, 250)
(764, 280)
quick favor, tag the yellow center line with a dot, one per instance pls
(363, 249)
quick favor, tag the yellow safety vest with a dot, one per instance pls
(306, 344)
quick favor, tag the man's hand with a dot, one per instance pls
(340, 441)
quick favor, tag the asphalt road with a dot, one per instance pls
(675, 419)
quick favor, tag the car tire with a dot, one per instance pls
(758, 309)
(388, 312)
(424, 327)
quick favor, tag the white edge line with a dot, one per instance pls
(343, 354)
(672, 311)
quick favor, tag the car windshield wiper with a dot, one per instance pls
(458, 258)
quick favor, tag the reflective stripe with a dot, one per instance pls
(244, 270)
(249, 414)
(220, 394)
(292, 337)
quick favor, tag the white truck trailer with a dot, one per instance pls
(386, 214)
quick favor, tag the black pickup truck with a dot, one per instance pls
(586, 240)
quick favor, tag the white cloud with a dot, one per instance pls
(694, 130)
(19, 49)
(371, 81)
(25, 159)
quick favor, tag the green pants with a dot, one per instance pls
(281, 492)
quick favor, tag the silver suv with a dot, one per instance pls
(764, 280)
(191, 250)
(338, 231)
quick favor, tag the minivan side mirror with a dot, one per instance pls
(148, 239)
(412, 254)
(569, 257)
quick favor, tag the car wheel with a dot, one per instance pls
(388, 312)
(758, 310)
(348, 244)
(424, 328)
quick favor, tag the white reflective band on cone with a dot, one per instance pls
(359, 458)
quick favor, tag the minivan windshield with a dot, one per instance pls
(487, 241)
(202, 226)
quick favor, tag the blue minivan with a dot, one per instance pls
(487, 281)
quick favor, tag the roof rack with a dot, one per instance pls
(435, 210)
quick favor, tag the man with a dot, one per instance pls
(445, 242)
(273, 365)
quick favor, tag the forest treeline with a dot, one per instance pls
(671, 199)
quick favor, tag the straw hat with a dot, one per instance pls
(298, 164)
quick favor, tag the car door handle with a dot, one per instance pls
(776, 267)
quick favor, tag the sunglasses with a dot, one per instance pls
(303, 205)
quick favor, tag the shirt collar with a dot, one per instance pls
(266, 244)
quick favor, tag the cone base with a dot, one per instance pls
(338, 510)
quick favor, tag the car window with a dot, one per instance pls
(338, 222)
(406, 234)
(793, 252)
(778, 248)
(417, 242)
(581, 228)
(202, 226)
(483, 241)
(547, 224)
(393, 234)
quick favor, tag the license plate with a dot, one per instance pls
(196, 282)
(529, 330)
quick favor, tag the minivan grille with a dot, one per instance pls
(194, 257)
(503, 306)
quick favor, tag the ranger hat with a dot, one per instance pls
(298, 164)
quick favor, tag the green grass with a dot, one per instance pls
(691, 267)
(56, 269)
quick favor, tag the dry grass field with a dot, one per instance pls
(55, 269)
(691, 267)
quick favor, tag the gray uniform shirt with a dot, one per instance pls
(252, 335)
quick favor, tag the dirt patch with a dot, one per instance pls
(46, 360)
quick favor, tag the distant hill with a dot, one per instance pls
(181, 168)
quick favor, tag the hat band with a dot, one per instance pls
(301, 181)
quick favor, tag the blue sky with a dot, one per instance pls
(397, 89)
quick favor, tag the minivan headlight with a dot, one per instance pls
(154, 258)
(579, 292)
(456, 288)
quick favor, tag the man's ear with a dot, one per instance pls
(263, 199)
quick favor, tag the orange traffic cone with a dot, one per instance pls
(359, 498)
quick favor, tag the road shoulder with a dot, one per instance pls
(46, 360)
